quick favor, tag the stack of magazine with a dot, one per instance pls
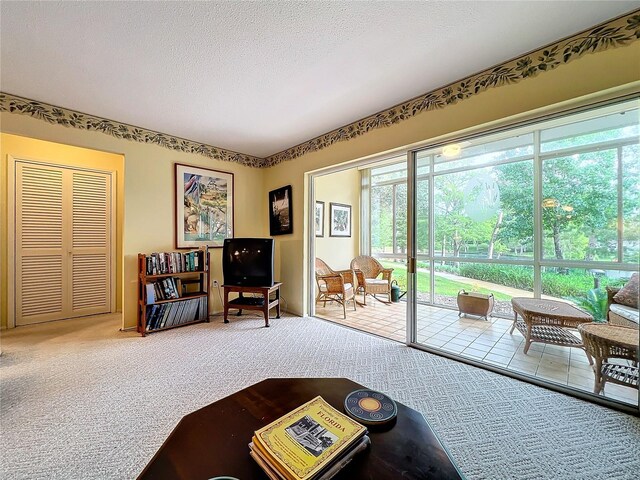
(313, 442)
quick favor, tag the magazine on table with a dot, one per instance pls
(312, 442)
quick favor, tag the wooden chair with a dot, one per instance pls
(335, 286)
(367, 270)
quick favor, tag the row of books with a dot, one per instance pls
(175, 262)
(165, 289)
(176, 313)
(313, 442)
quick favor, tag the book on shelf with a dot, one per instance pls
(151, 295)
(179, 315)
(169, 288)
(312, 442)
(176, 313)
(159, 263)
(173, 314)
(151, 315)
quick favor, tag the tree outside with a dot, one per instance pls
(580, 209)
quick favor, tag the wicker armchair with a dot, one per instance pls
(334, 286)
(367, 270)
(605, 341)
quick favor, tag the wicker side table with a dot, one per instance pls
(548, 321)
(605, 341)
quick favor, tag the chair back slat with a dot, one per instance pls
(322, 268)
(369, 266)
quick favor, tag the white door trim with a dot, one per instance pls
(11, 241)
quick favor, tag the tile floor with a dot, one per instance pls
(471, 337)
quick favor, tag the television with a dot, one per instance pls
(248, 262)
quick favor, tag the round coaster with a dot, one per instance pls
(370, 407)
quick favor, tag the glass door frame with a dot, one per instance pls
(412, 255)
(538, 262)
(364, 241)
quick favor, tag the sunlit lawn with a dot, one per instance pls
(444, 286)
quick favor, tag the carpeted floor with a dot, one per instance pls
(84, 401)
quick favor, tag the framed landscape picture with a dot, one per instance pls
(319, 219)
(339, 220)
(280, 211)
(204, 206)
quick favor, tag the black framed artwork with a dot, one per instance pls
(339, 220)
(280, 211)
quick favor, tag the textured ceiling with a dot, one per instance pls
(259, 77)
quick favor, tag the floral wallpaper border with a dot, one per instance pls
(71, 118)
(612, 34)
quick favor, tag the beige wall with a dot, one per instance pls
(341, 187)
(580, 81)
(148, 193)
(148, 170)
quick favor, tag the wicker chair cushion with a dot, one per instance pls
(628, 295)
(323, 287)
(628, 313)
(376, 281)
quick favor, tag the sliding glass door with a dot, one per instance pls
(549, 211)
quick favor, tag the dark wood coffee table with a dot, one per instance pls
(213, 441)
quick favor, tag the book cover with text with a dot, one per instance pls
(305, 440)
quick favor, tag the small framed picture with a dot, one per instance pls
(280, 211)
(340, 220)
(319, 218)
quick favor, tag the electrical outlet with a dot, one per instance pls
(216, 284)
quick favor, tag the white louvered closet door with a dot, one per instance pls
(63, 243)
(90, 243)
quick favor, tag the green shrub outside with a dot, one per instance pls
(508, 275)
(447, 268)
(570, 284)
(439, 267)
(553, 284)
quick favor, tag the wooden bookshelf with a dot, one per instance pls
(170, 305)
